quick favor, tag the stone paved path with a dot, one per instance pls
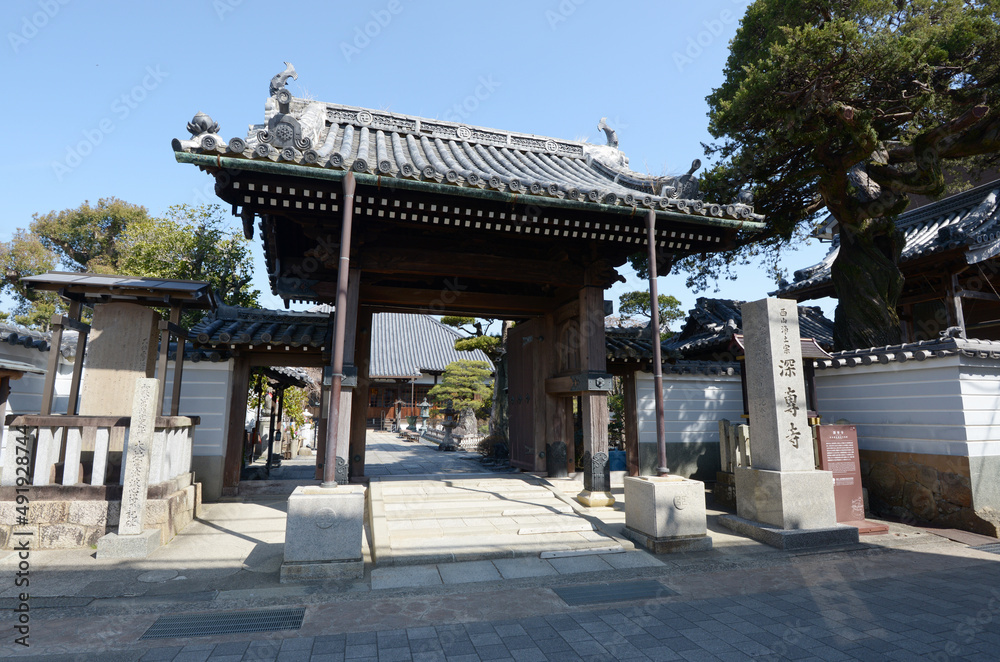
(943, 615)
(388, 455)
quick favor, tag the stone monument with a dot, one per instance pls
(121, 348)
(781, 499)
(323, 533)
(133, 541)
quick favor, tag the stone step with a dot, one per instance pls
(489, 508)
(470, 497)
(489, 549)
(460, 525)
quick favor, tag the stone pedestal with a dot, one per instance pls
(666, 514)
(133, 540)
(323, 533)
(781, 499)
(131, 546)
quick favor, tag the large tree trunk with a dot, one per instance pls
(868, 283)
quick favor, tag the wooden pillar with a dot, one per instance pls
(955, 303)
(338, 434)
(324, 414)
(175, 393)
(359, 405)
(81, 349)
(631, 423)
(593, 357)
(558, 431)
(48, 394)
(233, 461)
(175, 317)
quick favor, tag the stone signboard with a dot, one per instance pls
(838, 453)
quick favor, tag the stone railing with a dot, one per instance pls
(734, 445)
(90, 450)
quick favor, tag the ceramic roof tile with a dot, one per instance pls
(327, 135)
(969, 221)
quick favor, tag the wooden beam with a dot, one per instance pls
(970, 294)
(472, 265)
(456, 300)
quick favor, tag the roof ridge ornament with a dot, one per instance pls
(279, 80)
(611, 134)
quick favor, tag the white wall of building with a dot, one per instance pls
(693, 405)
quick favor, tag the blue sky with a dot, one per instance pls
(98, 90)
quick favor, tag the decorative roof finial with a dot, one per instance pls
(694, 166)
(202, 123)
(281, 79)
(609, 132)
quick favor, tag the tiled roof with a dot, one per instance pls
(18, 335)
(711, 324)
(317, 135)
(230, 325)
(969, 221)
(403, 346)
(917, 351)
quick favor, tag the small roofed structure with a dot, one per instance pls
(84, 451)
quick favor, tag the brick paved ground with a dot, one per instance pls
(943, 615)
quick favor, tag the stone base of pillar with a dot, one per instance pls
(595, 499)
(323, 533)
(786, 499)
(133, 546)
(791, 539)
(787, 509)
(666, 514)
(303, 572)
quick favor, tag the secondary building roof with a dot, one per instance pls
(708, 333)
(104, 288)
(405, 346)
(968, 223)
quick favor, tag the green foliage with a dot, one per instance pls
(86, 238)
(632, 304)
(488, 344)
(25, 255)
(616, 409)
(457, 321)
(296, 399)
(191, 243)
(114, 236)
(465, 383)
(848, 107)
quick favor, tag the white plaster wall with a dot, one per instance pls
(205, 393)
(940, 406)
(26, 393)
(692, 406)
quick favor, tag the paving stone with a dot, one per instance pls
(468, 571)
(405, 576)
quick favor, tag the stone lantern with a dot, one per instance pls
(449, 425)
(425, 413)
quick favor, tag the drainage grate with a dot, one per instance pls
(615, 592)
(993, 548)
(200, 625)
